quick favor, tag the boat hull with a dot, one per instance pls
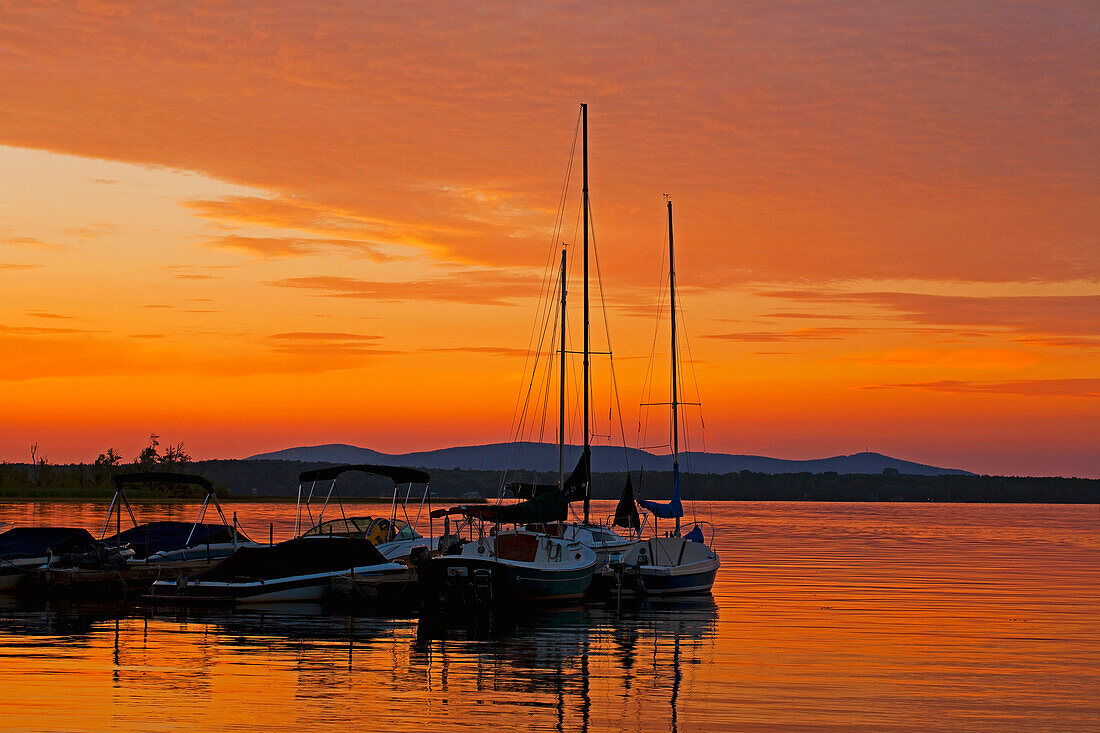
(312, 587)
(473, 581)
(658, 581)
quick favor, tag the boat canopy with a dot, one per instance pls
(550, 507)
(161, 477)
(575, 487)
(152, 537)
(37, 541)
(397, 474)
(300, 556)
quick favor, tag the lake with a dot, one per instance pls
(825, 616)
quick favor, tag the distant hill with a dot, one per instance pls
(544, 457)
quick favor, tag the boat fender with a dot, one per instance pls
(181, 581)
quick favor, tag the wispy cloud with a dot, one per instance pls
(1077, 315)
(492, 350)
(296, 246)
(474, 288)
(32, 243)
(324, 336)
(44, 314)
(1027, 387)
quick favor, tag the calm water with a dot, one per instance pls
(825, 616)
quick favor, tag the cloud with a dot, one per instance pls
(491, 350)
(804, 143)
(473, 288)
(1077, 315)
(800, 334)
(43, 314)
(295, 246)
(17, 266)
(1026, 387)
(32, 243)
(40, 330)
(325, 336)
(978, 358)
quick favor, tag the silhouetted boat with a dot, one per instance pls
(301, 569)
(25, 550)
(394, 537)
(672, 564)
(137, 556)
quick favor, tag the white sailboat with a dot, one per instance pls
(677, 563)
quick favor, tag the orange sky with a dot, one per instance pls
(254, 225)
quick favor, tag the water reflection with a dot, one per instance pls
(560, 653)
(850, 617)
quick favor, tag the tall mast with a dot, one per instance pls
(675, 401)
(584, 148)
(561, 389)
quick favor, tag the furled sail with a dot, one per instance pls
(666, 510)
(576, 487)
(626, 513)
(549, 507)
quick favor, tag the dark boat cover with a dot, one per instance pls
(575, 487)
(551, 507)
(300, 556)
(146, 539)
(397, 474)
(36, 541)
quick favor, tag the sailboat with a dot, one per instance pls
(601, 538)
(676, 563)
(525, 564)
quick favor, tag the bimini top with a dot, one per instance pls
(161, 477)
(36, 541)
(397, 474)
(152, 537)
(301, 556)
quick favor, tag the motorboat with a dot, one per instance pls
(395, 537)
(25, 550)
(142, 553)
(300, 569)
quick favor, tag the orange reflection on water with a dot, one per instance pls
(851, 616)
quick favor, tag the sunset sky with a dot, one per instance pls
(248, 226)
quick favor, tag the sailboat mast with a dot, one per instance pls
(561, 388)
(675, 400)
(587, 439)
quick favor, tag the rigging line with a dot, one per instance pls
(694, 379)
(681, 378)
(650, 375)
(545, 291)
(607, 335)
(519, 427)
